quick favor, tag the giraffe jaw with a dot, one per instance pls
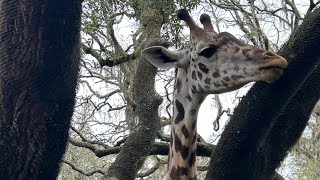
(270, 74)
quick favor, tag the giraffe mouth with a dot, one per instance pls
(277, 63)
(271, 68)
(271, 73)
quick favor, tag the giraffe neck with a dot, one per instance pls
(182, 153)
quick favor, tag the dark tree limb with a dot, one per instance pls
(289, 127)
(261, 109)
(39, 64)
(158, 148)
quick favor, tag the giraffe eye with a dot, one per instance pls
(208, 52)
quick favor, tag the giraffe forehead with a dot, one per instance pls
(218, 40)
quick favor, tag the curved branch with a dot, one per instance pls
(89, 173)
(106, 96)
(108, 61)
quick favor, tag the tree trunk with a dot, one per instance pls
(139, 143)
(39, 63)
(245, 148)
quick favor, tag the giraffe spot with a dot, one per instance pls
(207, 80)
(224, 41)
(178, 85)
(189, 97)
(203, 68)
(176, 172)
(236, 68)
(248, 58)
(207, 87)
(194, 138)
(200, 88)
(193, 75)
(194, 123)
(200, 75)
(177, 143)
(224, 83)
(216, 74)
(236, 49)
(193, 111)
(180, 111)
(184, 151)
(245, 51)
(236, 77)
(245, 70)
(225, 72)
(201, 99)
(225, 49)
(216, 84)
(193, 89)
(226, 78)
(192, 159)
(258, 51)
(185, 131)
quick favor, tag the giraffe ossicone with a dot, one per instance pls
(211, 63)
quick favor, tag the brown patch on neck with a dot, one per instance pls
(180, 112)
(185, 132)
(177, 172)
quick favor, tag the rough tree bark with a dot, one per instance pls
(39, 63)
(271, 118)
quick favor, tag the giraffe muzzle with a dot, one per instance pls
(273, 61)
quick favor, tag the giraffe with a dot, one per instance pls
(211, 63)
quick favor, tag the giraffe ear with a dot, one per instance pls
(162, 57)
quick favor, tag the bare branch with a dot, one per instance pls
(296, 13)
(108, 62)
(89, 173)
(106, 96)
(97, 151)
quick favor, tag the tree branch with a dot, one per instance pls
(88, 173)
(108, 62)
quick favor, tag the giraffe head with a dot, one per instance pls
(217, 62)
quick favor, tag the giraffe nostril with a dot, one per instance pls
(269, 54)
